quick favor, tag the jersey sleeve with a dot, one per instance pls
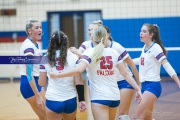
(119, 59)
(29, 51)
(82, 47)
(42, 68)
(86, 57)
(122, 51)
(158, 53)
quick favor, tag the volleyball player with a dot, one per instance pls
(100, 63)
(29, 87)
(61, 93)
(153, 55)
(126, 90)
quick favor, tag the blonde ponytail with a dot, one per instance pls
(99, 36)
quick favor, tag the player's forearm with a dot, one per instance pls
(33, 87)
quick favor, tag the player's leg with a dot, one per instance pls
(40, 112)
(151, 92)
(150, 113)
(51, 115)
(126, 95)
(28, 94)
(126, 99)
(144, 106)
(113, 109)
(99, 111)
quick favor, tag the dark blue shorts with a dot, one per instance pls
(67, 106)
(25, 88)
(153, 87)
(109, 103)
(124, 84)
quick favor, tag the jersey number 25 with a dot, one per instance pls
(106, 62)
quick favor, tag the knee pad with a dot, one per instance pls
(124, 117)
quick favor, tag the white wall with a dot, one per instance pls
(111, 9)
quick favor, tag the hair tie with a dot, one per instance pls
(64, 36)
(155, 25)
(53, 35)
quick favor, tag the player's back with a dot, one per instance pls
(61, 88)
(102, 75)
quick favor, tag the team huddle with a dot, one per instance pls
(112, 76)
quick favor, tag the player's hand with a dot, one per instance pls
(138, 97)
(40, 102)
(82, 106)
(73, 50)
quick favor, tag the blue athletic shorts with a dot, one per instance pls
(109, 103)
(124, 84)
(153, 87)
(67, 106)
(25, 88)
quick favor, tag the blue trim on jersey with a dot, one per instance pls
(122, 55)
(42, 67)
(109, 103)
(111, 44)
(86, 58)
(29, 50)
(92, 45)
(83, 46)
(159, 56)
(149, 47)
(67, 106)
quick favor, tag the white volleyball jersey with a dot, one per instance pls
(121, 50)
(123, 54)
(150, 63)
(29, 48)
(60, 89)
(102, 78)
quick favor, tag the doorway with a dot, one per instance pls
(73, 23)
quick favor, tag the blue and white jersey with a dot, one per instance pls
(102, 78)
(150, 63)
(60, 89)
(29, 48)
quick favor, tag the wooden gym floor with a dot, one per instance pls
(14, 107)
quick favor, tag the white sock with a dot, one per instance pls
(124, 117)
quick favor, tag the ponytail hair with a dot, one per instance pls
(99, 37)
(58, 41)
(154, 29)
